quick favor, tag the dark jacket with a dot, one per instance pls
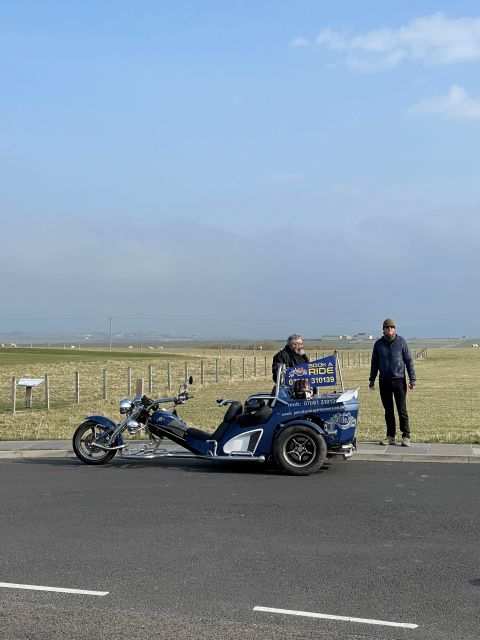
(390, 357)
(289, 358)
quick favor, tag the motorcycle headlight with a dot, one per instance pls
(125, 406)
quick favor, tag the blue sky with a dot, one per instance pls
(240, 169)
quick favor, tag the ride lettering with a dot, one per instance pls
(320, 369)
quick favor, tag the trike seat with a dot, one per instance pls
(234, 410)
(253, 418)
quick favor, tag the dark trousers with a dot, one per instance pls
(390, 389)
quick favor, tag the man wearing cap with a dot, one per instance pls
(390, 356)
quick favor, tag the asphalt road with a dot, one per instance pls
(188, 549)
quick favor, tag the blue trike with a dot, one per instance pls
(297, 433)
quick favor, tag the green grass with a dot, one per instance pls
(443, 407)
(47, 357)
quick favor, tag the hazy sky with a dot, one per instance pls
(240, 168)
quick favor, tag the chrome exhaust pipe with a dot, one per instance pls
(104, 448)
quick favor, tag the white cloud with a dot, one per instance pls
(388, 61)
(332, 39)
(430, 40)
(456, 105)
(300, 41)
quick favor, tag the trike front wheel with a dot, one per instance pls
(84, 443)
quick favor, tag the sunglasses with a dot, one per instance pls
(389, 326)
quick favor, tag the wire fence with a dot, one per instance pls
(78, 382)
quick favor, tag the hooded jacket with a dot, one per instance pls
(389, 358)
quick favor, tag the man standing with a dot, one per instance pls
(390, 356)
(291, 355)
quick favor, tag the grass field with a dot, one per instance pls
(443, 407)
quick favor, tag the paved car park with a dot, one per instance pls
(183, 548)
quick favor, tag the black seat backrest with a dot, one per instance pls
(252, 419)
(232, 412)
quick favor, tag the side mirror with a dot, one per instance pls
(190, 380)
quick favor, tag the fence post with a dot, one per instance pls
(47, 393)
(231, 368)
(150, 378)
(186, 370)
(139, 387)
(216, 370)
(169, 377)
(14, 394)
(202, 373)
(77, 387)
(265, 358)
(129, 381)
(104, 384)
(243, 368)
(254, 366)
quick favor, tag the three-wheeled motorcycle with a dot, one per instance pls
(295, 430)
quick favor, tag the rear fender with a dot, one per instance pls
(304, 423)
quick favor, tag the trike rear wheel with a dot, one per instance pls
(299, 450)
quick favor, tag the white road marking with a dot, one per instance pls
(326, 616)
(32, 587)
